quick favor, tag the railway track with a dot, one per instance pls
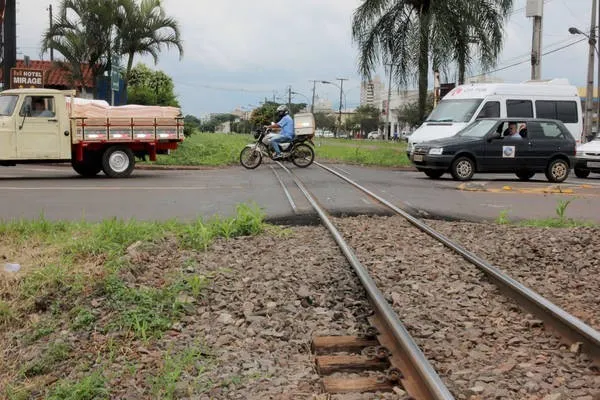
(500, 338)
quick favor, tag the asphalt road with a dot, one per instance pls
(58, 193)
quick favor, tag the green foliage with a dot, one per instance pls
(365, 119)
(409, 113)
(325, 121)
(503, 218)
(561, 208)
(148, 87)
(92, 387)
(7, 315)
(83, 318)
(267, 112)
(364, 152)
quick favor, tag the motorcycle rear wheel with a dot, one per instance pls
(250, 157)
(303, 155)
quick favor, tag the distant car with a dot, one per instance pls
(374, 135)
(541, 145)
(328, 134)
(588, 158)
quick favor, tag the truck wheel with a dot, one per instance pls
(118, 162)
(86, 169)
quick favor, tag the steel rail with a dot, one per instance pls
(562, 321)
(428, 377)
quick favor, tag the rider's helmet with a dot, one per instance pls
(282, 111)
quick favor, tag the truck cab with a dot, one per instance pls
(47, 125)
(28, 133)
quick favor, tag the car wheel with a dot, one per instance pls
(462, 169)
(582, 173)
(525, 175)
(557, 170)
(434, 174)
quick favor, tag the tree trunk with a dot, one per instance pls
(423, 62)
(127, 72)
(461, 70)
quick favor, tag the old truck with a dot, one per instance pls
(53, 126)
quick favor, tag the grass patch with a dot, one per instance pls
(560, 221)
(92, 387)
(190, 363)
(56, 353)
(220, 149)
(207, 149)
(39, 331)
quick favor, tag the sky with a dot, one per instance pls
(239, 52)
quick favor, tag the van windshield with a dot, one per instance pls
(477, 129)
(7, 104)
(454, 110)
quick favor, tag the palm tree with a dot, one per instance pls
(80, 34)
(143, 29)
(408, 33)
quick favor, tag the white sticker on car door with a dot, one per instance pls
(508, 151)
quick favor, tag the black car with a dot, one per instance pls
(486, 145)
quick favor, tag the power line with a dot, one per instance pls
(525, 61)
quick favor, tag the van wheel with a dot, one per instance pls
(525, 175)
(557, 170)
(434, 174)
(582, 173)
(118, 162)
(462, 169)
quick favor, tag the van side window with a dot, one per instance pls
(519, 108)
(491, 109)
(565, 111)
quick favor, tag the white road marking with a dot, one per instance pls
(122, 188)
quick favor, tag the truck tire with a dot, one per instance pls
(86, 169)
(118, 162)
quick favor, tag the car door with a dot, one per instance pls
(503, 154)
(546, 139)
(38, 132)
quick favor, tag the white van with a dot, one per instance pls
(554, 99)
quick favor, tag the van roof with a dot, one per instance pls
(554, 87)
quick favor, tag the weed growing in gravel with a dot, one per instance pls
(92, 387)
(55, 353)
(192, 362)
(503, 218)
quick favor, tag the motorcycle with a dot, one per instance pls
(298, 151)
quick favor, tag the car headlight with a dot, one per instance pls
(436, 151)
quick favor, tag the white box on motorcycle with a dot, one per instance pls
(304, 124)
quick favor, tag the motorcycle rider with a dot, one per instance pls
(286, 127)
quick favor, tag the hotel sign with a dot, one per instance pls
(21, 78)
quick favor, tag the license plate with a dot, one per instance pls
(417, 157)
(593, 164)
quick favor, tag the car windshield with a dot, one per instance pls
(454, 110)
(477, 129)
(7, 104)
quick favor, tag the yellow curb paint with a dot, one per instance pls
(507, 188)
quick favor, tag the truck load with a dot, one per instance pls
(50, 126)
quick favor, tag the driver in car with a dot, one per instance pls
(512, 131)
(286, 127)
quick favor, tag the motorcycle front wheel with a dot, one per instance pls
(250, 157)
(303, 155)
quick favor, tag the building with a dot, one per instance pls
(59, 77)
(372, 92)
(323, 105)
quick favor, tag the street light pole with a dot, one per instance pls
(341, 94)
(312, 104)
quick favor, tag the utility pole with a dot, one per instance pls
(535, 9)
(312, 104)
(598, 83)
(51, 48)
(589, 110)
(290, 99)
(387, 108)
(9, 59)
(341, 93)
